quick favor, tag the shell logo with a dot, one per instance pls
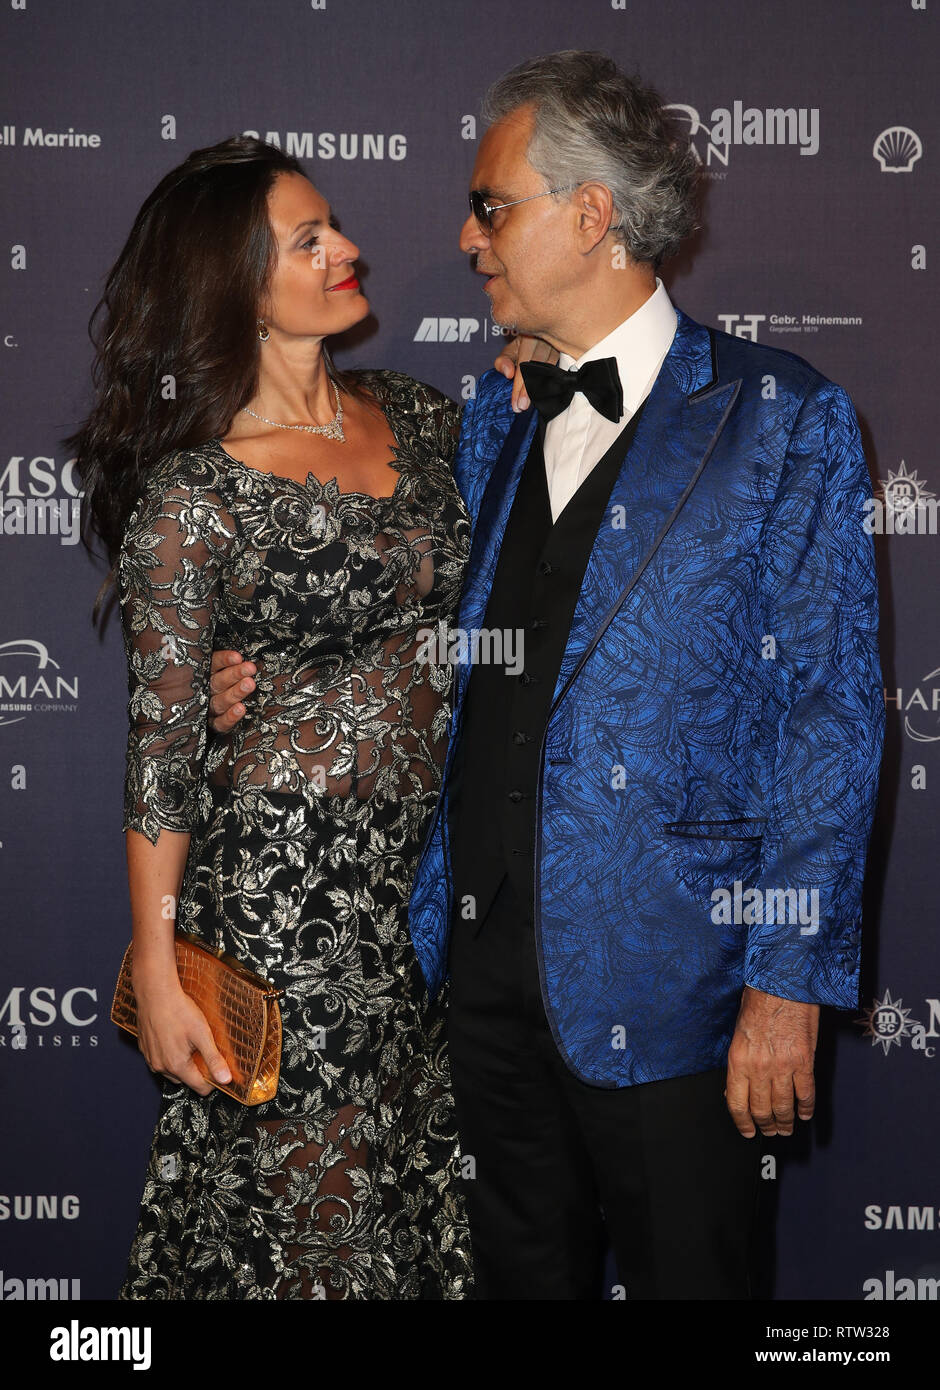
(897, 149)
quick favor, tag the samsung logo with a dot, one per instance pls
(304, 144)
(897, 1218)
(39, 1208)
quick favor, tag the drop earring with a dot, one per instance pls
(264, 331)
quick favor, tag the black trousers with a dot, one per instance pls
(561, 1167)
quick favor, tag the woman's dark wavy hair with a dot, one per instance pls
(177, 352)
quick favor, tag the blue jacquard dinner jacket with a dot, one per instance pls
(710, 764)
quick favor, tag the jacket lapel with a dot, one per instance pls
(489, 531)
(684, 416)
(685, 413)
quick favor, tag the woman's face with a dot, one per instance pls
(314, 291)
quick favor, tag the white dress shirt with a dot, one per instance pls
(580, 436)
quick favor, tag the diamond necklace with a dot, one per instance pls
(332, 430)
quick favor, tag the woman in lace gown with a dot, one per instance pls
(293, 843)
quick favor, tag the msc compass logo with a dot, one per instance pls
(889, 1024)
(903, 491)
(906, 506)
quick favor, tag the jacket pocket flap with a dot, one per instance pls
(743, 828)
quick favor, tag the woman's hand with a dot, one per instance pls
(171, 1027)
(230, 681)
(519, 350)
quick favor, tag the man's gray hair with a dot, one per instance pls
(593, 123)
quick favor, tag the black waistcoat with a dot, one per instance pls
(494, 775)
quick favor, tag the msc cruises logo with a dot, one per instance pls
(904, 492)
(889, 1024)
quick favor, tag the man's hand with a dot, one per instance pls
(230, 682)
(522, 349)
(771, 1058)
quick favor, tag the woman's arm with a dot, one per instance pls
(170, 1025)
(168, 586)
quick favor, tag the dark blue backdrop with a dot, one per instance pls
(819, 244)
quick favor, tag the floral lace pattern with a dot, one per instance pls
(306, 825)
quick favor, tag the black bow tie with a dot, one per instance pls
(550, 389)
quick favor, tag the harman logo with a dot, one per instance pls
(889, 1024)
(327, 144)
(747, 125)
(923, 701)
(897, 149)
(30, 682)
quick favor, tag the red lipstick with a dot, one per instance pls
(349, 284)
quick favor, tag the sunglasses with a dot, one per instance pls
(482, 209)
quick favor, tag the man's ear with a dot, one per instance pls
(596, 213)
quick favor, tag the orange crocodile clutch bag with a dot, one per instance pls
(240, 1007)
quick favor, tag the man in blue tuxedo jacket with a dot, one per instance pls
(646, 869)
(644, 874)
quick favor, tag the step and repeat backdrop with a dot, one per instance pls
(815, 125)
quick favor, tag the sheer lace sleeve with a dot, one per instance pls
(428, 415)
(168, 585)
(445, 415)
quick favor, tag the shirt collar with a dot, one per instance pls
(639, 344)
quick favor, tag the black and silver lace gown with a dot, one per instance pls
(306, 825)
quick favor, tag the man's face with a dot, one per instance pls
(529, 256)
